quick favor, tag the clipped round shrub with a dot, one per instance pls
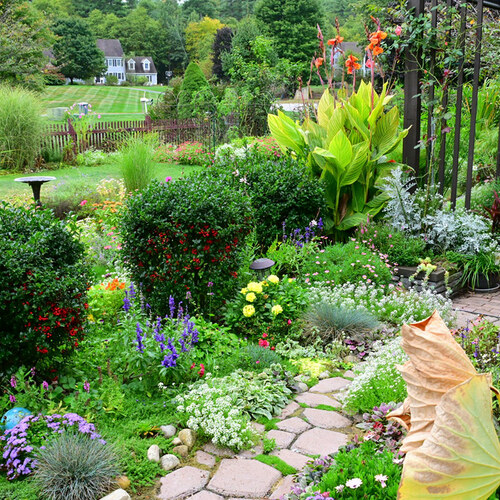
(43, 284)
(281, 189)
(74, 467)
(185, 236)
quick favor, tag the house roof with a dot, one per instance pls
(139, 65)
(110, 47)
(352, 47)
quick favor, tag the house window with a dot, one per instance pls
(146, 65)
(131, 65)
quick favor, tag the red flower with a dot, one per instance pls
(263, 343)
(335, 41)
(352, 64)
(202, 370)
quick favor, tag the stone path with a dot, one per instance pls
(470, 305)
(303, 432)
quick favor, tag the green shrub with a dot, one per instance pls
(137, 162)
(194, 81)
(166, 106)
(399, 247)
(281, 191)
(111, 80)
(74, 467)
(21, 128)
(185, 236)
(43, 283)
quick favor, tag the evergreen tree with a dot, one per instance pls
(222, 43)
(193, 83)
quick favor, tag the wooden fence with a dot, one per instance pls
(108, 135)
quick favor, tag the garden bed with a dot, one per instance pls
(437, 281)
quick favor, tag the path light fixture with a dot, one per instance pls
(261, 266)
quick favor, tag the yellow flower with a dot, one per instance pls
(273, 279)
(277, 309)
(254, 287)
(244, 291)
(251, 297)
(248, 311)
(290, 280)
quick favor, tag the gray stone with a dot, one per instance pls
(188, 437)
(313, 400)
(168, 430)
(294, 424)
(284, 488)
(256, 450)
(117, 495)
(219, 451)
(292, 458)
(176, 441)
(319, 442)
(289, 409)
(181, 450)
(301, 378)
(351, 359)
(330, 385)
(169, 462)
(154, 453)
(324, 375)
(258, 427)
(301, 387)
(244, 479)
(349, 374)
(206, 495)
(283, 439)
(326, 419)
(183, 483)
(205, 458)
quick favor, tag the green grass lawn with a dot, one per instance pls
(70, 178)
(112, 103)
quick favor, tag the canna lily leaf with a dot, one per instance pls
(326, 107)
(352, 221)
(460, 459)
(353, 171)
(356, 121)
(336, 123)
(285, 132)
(378, 108)
(385, 131)
(437, 364)
(341, 148)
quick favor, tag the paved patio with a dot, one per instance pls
(470, 305)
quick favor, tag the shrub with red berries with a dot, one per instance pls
(184, 239)
(43, 285)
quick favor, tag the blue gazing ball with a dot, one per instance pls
(12, 418)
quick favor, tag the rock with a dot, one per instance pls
(123, 482)
(294, 424)
(206, 495)
(324, 375)
(181, 450)
(301, 378)
(330, 385)
(349, 374)
(188, 437)
(301, 387)
(319, 442)
(169, 462)
(258, 427)
(289, 409)
(204, 458)
(217, 450)
(351, 359)
(284, 488)
(256, 450)
(117, 495)
(326, 419)
(183, 483)
(168, 430)
(176, 441)
(283, 439)
(154, 453)
(311, 399)
(292, 458)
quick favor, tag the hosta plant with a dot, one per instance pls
(347, 146)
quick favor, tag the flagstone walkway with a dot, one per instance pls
(303, 431)
(470, 305)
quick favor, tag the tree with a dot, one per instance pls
(53, 8)
(24, 35)
(236, 8)
(118, 7)
(193, 83)
(202, 8)
(105, 25)
(200, 38)
(292, 24)
(222, 43)
(76, 51)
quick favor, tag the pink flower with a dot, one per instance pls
(99, 116)
(86, 386)
(202, 370)
(45, 385)
(168, 179)
(12, 398)
(398, 30)
(107, 247)
(289, 322)
(13, 381)
(369, 63)
(83, 202)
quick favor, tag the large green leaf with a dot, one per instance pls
(285, 132)
(460, 459)
(356, 121)
(336, 123)
(378, 108)
(390, 146)
(352, 220)
(341, 148)
(331, 186)
(354, 169)
(358, 198)
(326, 106)
(385, 130)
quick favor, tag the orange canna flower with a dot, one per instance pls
(352, 64)
(377, 50)
(336, 41)
(377, 37)
(318, 62)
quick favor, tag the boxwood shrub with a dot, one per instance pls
(43, 284)
(281, 189)
(185, 236)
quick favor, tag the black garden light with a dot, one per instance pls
(261, 266)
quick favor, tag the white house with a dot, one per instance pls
(142, 66)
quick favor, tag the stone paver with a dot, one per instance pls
(258, 427)
(326, 419)
(243, 478)
(283, 439)
(206, 495)
(204, 458)
(349, 374)
(311, 399)
(288, 410)
(330, 385)
(283, 488)
(256, 450)
(216, 450)
(182, 483)
(292, 458)
(294, 424)
(319, 442)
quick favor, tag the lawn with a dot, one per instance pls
(112, 103)
(68, 177)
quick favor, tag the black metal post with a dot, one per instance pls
(412, 104)
(458, 112)
(498, 156)
(473, 111)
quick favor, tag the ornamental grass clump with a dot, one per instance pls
(137, 162)
(74, 467)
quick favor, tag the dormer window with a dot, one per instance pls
(146, 65)
(131, 65)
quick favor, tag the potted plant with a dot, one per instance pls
(480, 271)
